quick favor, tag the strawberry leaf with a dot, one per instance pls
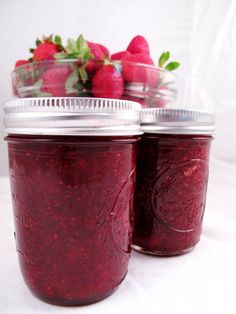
(164, 58)
(37, 90)
(24, 74)
(73, 55)
(57, 40)
(60, 55)
(83, 74)
(71, 81)
(78, 49)
(83, 48)
(81, 43)
(85, 54)
(38, 42)
(71, 45)
(42, 94)
(38, 84)
(172, 66)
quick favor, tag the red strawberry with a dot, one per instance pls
(54, 80)
(45, 51)
(139, 45)
(96, 50)
(104, 49)
(120, 55)
(107, 82)
(93, 66)
(134, 69)
(19, 63)
(100, 53)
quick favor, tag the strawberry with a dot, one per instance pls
(97, 50)
(93, 66)
(134, 69)
(104, 49)
(47, 48)
(107, 82)
(53, 81)
(120, 55)
(45, 51)
(19, 63)
(139, 45)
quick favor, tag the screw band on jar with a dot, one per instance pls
(177, 121)
(72, 116)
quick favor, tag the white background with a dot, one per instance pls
(167, 25)
(199, 33)
(202, 35)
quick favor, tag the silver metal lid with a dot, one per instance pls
(177, 121)
(72, 116)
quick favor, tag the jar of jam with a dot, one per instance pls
(72, 170)
(172, 175)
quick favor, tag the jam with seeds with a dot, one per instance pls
(73, 201)
(172, 174)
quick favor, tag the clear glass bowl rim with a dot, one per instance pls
(72, 61)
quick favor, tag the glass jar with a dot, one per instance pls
(149, 85)
(72, 170)
(172, 175)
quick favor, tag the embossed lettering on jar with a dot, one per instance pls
(73, 195)
(172, 175)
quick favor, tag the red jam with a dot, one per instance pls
(73, 200)
(172, 174)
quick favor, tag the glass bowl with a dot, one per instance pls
(149, 85)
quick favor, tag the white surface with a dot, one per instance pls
(201, 282)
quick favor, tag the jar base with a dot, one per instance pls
(162, 253)
(71, 303)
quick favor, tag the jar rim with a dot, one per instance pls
(177, 121)
(72, 116)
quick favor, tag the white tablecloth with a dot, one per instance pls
(201, 282)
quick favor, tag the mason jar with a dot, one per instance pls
(172, 175)
(72, 170)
